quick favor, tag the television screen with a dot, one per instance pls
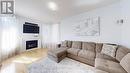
(30, 28)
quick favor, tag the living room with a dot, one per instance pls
(64, 36)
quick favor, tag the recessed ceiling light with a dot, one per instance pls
(53, 6)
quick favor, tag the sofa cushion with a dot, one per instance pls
(103, 56)
(73, 51)
(98, 47)
(109, 50)
(88, 46)
(125, 62)
(87, 54)
(109, 66)
(121, 52)
(69, 44)
(57, 52)
(64, 44)
(76, 44)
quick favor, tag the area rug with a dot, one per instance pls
(65, 66)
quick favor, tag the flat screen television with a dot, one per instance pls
(30, 28)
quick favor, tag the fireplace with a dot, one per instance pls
(31, 44)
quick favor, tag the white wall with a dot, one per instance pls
(110, 31)
(126, 26)
(24, 37)
(17, 23)
(0, 39)
(55, 33)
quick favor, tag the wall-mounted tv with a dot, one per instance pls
(30, 28)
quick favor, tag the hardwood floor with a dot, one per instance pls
(19, 63)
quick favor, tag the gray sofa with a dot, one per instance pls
(90, 53)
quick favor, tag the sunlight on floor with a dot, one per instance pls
(24, 59)
(9, 69)
(18, 64)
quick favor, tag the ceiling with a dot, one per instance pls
(38, 9)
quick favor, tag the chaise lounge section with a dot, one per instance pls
(91, 53)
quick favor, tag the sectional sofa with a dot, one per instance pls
(91, 53)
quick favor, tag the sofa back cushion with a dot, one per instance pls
(64, 43)
(88, 46)
(125, 62)
(99, 47)
(76, 44)
(121, 52)
(69, 44)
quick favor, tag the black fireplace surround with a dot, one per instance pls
(31, 44)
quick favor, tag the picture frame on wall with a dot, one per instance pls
(88, 27)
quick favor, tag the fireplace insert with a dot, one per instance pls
(31, 44)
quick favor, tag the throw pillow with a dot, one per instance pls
(109, 50)
(125, 62)
(64, 44)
